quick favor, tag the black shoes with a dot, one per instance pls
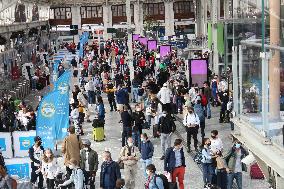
(162, 158)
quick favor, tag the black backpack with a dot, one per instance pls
(198, 157)
(164, 179)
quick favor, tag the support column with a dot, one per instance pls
(169, 18)
(200, 21)
(76, 17)
(235, 78)
(129, 40)
(107, 19)
(274, 64)
(138, 17)
(215, 17)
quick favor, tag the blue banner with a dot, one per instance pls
(62, 108)
(22, 170)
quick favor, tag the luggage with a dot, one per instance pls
(155, 131)
(98, 134)
(173, 185)
(255, 172)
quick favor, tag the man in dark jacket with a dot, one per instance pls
(147, 151)
(126, 125)
(121, 97)
(166, 126)
(89, 163)
(110, 96)
(174, 162)
(110, 172)
(36, 154)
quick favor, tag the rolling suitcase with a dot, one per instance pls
(155, 131)
(255, 172)
(98, 134)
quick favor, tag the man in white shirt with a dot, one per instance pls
(90, 88)
(216, 142)
(165, 96)
(192, 123)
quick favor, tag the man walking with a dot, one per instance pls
(89, 163)
(166, 126)
(174, 162)
(130, 156)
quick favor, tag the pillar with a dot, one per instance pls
(274, 63)
(76, 16)
(129, 40)
(200, 18)
(107, 19)
(215, 16)
(138, 17)
(169, 18)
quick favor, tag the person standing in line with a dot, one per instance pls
(138, 118)
(198, 110)
(192, 122)
(36, 154)
(166, 126)
(165, 95)
(235, 165)
(101, 109)
(76, 177)
(89, 163)
(174, 162)
(110, 172)
(71, 148)
(110, 96)
(126, 125)
(147, 151)
(216, 142)
(130, 156)
(90, 88)
(207, 162)
(49, 168)
(153, 181)
(208, 93)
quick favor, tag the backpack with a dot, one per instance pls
(204, 101)
(198, 157)
(164, 179)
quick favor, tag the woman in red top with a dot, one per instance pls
(122, 62)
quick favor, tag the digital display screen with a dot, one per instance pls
(198, 71)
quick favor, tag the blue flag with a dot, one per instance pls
(62, 108)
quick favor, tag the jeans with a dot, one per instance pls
(145, 163)
(34, 82)
(136, 139)
(208, 172)
(91, 97)
(179, 173)
(148, 120)
(126, 132)
(208, 110)
(222, 179)
(165, 140)
(34, 177)
(231, 177)
(135, 94)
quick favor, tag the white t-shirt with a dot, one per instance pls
(38, 153)
(238, 166)
(87, 166)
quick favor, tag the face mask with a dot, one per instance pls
(71, 166)
(86, 148)
(238, 145)
(213, 137)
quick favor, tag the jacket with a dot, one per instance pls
(50, 169)
(132, 151)
(77, 177)
(110, 172)
(147, 150)
(170, 159)
(126, 119)
(71, 148)
(35, 158)
(164, 95)
(156, 182)
(206, 156)
(166, 124)
(92, 160)
(101, 111)
(231, 158)
(121, 96)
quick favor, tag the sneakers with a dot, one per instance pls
(89, 121)
(162, 158)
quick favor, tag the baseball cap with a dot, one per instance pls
(37, 138)
(86, 142)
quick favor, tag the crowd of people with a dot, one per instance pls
(159, 90)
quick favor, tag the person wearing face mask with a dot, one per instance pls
(36, 154)
(147, 151)
(234, 161)
(130, 156)
(216, 142)
(49, 168)
(77, 176)
(153, 180)
(110, 172)
(192, 123)
(89, 163)
(139, 118)
(174, 163)
(207, 162)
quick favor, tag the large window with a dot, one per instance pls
(119, 13)
(91, 12)
(60, 13)
(154, 9)
(184, 9)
